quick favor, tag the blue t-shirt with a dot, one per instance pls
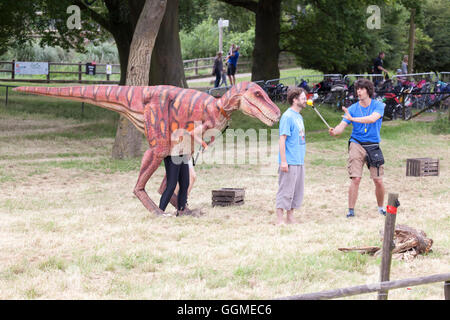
(366, 132)
(291, 125)
(233, 59)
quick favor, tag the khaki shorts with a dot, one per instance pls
(290, 187)
(357, 161)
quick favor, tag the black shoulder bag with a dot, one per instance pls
(374, 154)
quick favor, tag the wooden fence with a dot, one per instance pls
(193, 68)
(376, 287)
(385, 285)
(77, 69)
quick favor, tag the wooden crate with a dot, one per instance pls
(420, 167)
(228, 197)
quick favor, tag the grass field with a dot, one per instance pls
(71, 227)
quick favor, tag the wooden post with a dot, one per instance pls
(196, 67)
(388, 242)
(447, 290)
(48, 73)
(79, 72)
(6, 101)
(13, 73)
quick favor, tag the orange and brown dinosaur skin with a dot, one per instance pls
(158, 111)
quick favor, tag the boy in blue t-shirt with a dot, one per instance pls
(366, 117)
(291, 157)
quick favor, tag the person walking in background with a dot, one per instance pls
(217, 68)
(232, 64)
(366, 117)
(224, 78)
(405, 64)
(378, 67)
(291, 157)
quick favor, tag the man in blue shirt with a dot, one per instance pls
(291, 157)
(232, 64)
(366, 117)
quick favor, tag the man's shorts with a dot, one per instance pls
(290, 187)
(231, 69)
(357, 160)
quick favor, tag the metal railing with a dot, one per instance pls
(444, 76)
(367, 76)
(430, 76)
(288, 80)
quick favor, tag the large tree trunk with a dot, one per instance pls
(123, 42)
(128, 139)
(167, 64)
(267, 37)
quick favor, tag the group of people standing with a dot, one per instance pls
(219, 70)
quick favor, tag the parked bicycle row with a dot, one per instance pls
(401, 94)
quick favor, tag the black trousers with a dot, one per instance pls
(177, 171)
(218, 77)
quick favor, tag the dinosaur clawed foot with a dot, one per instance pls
(189, 212)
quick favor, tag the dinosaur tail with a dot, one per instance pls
(125, 100)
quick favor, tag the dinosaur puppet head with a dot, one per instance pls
(253, 101)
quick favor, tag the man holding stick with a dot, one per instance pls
(292, 148)
(366, 117)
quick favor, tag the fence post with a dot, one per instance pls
(48, 74)
(79, 72)
(13, 72)
(388, 241)
(447, 290)
(196, 67)
(404, 107)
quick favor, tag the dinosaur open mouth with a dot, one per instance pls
(266, 118)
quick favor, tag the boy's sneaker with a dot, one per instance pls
(383, 212)
(350, 214)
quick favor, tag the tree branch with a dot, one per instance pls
(94, 15)
(247, 4)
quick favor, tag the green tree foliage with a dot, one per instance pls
(332, 36)
(434, 54)
(194, 12)
(203, 40)
(21, 20)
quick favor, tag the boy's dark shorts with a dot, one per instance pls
(231, 69)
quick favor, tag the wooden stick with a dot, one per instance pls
(367, 288)
(388, 244)
(321, 117)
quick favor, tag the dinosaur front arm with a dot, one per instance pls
(197, 134)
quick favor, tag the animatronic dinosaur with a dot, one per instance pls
(158, 111)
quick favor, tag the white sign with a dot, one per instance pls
(108, 69)
(223, 23)
(31, 67)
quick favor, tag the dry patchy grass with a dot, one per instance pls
(71, 228)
